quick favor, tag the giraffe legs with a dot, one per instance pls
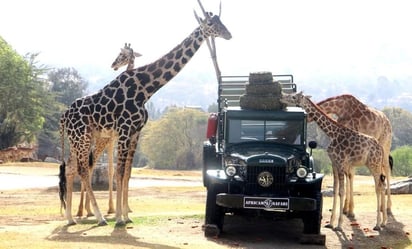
(388, 189)
(69, 198)
(124, 167)
(338, 191)
(81, 165)
(335, 198)
(111, 175)
(381, 204)
(349, 203)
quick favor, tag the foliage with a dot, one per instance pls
(322, 161)
(23, 97)
(402, 158)
(401, 121)
(174, 141)
(68, 84)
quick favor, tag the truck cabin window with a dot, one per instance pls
(288, 132)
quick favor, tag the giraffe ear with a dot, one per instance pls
(136, 54)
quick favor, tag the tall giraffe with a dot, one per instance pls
(348, 148)
(354, 114)
(125, 57)
(118, 111)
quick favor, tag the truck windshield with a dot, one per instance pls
(289, 132)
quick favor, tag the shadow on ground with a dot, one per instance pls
(261, 233)
(118, 237)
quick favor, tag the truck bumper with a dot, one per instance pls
(240, 201)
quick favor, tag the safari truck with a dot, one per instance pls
(256, 160)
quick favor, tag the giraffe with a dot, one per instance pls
(125, 57)
(118, 111)
(354, 114)
(348, 148)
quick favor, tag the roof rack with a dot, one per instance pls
(232, 87)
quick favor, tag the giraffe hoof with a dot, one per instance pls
(377, 228)
(102, 223)
(350, 215)
(71, 223)
(127, 221)
(90, 214)
(329, 226)
(337, 229)
(120, 224)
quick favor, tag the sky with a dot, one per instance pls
(306, 38)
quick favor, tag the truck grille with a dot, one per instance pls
(279, 180)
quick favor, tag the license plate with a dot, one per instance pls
(266, 203)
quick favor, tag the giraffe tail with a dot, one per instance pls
(62, 170)
(391, 162)
(62, 186)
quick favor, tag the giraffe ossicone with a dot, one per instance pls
(347, 148)
(118, 111)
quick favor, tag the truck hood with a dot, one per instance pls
(252, 151)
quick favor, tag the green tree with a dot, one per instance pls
(68, 84)
(401, 121)
(402, 157)
(322, 161)
(175, 140)
(23, 97)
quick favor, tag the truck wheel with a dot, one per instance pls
(214, 216)
(312, 220)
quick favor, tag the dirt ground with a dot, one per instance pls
(172, 217)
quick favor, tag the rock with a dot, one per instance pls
(100, 179)
(402, 187)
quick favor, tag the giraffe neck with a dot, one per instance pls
(151, 77)
(327, 124)
(130, 66)
(342, 105)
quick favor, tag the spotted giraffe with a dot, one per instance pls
(125, 57)
(352, 113)
(348, 148)
(118, 110)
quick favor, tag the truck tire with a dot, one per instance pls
(214, 216)
(312, 220)
(210, 161)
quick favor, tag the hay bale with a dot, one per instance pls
(260, 102)
(272, 88)
(262, 93)
(260, 77)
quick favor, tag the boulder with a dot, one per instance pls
(402, 187)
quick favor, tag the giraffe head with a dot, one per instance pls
(125, 57)
(293, 99)
(211, 24)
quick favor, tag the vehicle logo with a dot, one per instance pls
(265, 179)
(263, 160)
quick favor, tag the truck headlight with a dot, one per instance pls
(301, 172)
(230, 170)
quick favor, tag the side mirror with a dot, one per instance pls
(313, 144)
